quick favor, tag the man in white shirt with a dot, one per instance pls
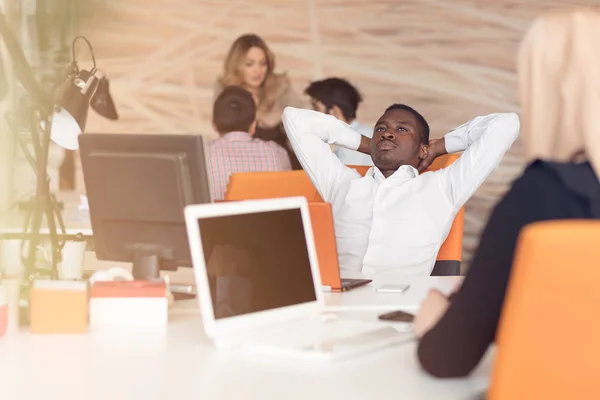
(394, 220)
(339, 98)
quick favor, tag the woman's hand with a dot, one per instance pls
(432, 309)
(436, 148)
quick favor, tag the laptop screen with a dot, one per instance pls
(256, 262)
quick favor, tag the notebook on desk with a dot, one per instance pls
(259, 285)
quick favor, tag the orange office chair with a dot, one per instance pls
(265, 185)
(548, 337)
(449, 257)
(362, 169)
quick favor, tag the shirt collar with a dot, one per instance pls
(404, 172)
(354, 124)
(237, 136)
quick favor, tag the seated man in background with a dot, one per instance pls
(394, 219)
(339, 98)
(234, 118)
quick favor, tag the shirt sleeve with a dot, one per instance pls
(484, 141)
(456, 344)
(310, 134)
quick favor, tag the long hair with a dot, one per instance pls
(235, 58)
(559, 87)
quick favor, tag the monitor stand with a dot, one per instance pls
(147, 260)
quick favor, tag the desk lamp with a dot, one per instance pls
(81, 89)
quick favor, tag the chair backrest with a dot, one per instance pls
(265, 185)
(549, 334)
(451, 249)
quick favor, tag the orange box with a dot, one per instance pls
(59, 307)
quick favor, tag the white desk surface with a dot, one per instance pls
(181, 363)
(366, 298)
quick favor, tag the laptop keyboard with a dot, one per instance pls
(320, 332)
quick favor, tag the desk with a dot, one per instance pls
(367, 298)
(184, 365)
(181, 363)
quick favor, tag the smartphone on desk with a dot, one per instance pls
(397, 316)
(397, 288)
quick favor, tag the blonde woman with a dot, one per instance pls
(559, 88)
(251, 65)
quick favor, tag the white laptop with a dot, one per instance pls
(259, 285)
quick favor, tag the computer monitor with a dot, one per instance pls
(137, 187)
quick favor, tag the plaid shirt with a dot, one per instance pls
(238, 152)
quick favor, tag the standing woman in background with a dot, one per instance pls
(251, 65)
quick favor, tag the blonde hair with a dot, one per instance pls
(235, 58)
(559, 87)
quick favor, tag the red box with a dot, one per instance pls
(128, 289)
(3, 319)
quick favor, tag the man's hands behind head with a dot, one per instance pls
(436, 148)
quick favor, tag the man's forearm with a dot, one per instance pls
(464, 136)
(365, 145)
(484, 141)
(299, 123)
(439, 147)
(311, 134)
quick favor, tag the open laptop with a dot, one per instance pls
(259, 286)
(324, 234)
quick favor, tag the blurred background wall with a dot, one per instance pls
(451, 60)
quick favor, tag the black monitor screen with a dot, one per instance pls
(256, 262)
(137, 187)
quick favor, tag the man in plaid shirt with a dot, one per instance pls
(234, 117)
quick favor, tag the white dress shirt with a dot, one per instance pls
(353, 157)
(395, 225)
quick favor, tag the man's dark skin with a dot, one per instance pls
(396, 142)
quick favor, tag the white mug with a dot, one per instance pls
(73, 255)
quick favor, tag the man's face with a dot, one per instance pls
(396, 141)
